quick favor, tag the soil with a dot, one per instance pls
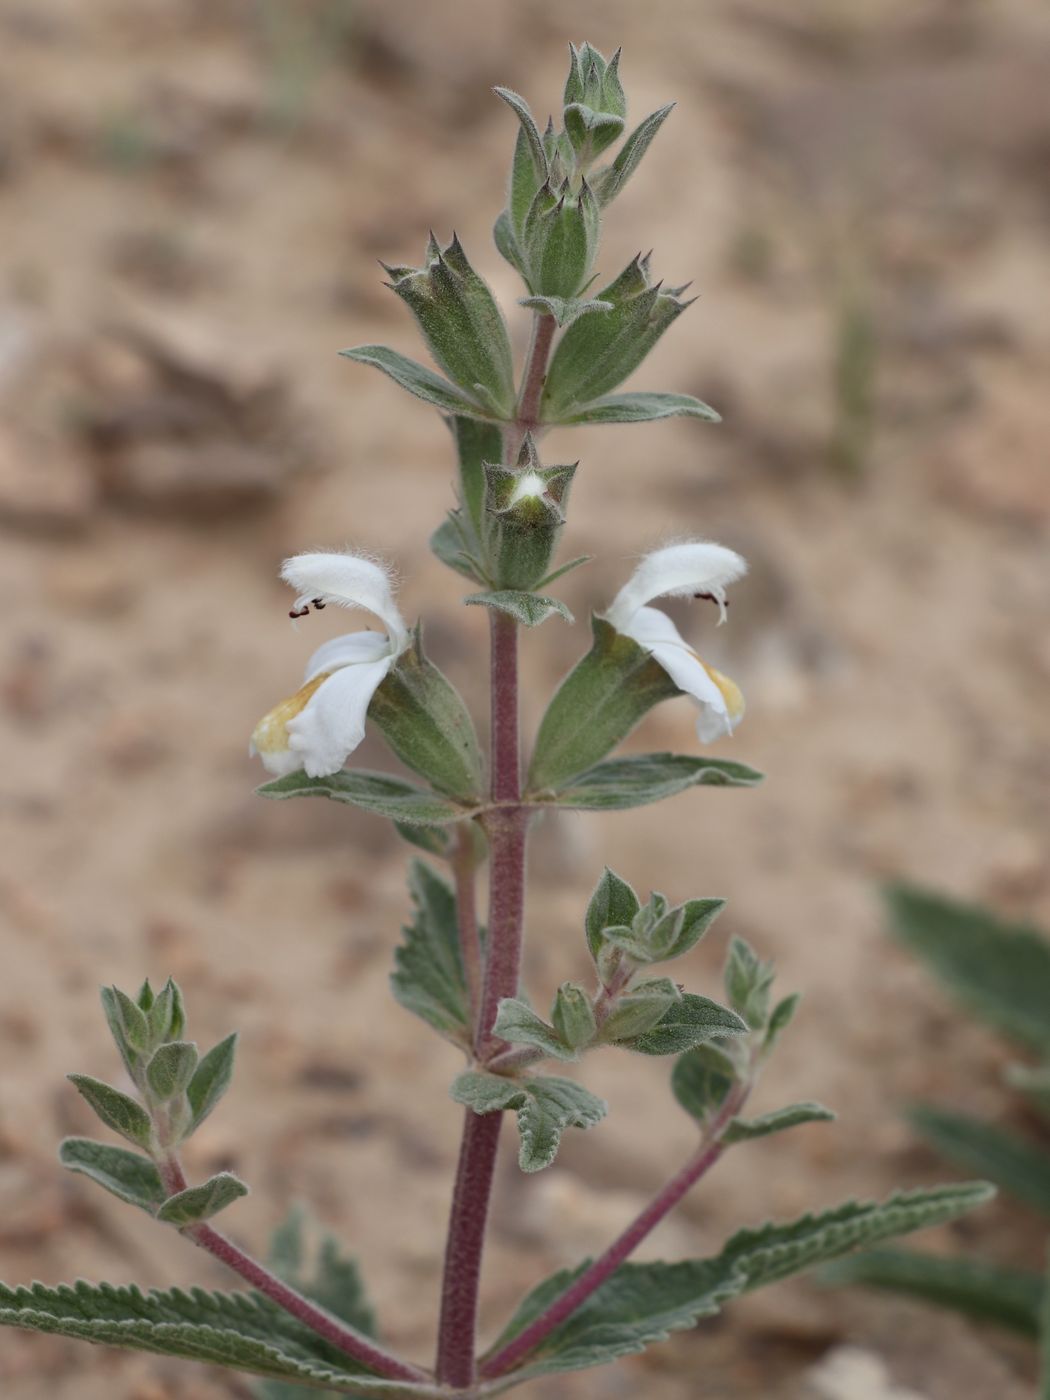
(192, 199)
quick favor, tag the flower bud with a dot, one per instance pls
(524, 515)
(461, 322)
(598, 352)
(560, 240)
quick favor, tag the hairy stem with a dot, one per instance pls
(543, 329)
(355, 1344)
(507, 830)
(477, 1157)
(603, 1268)
(463, 872)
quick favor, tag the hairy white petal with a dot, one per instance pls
(349, 581)
(528, 484)
(678, 571)
(351, 649)
(325, 733)
(656, 632)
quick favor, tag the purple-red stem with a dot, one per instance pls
(361, 1348)
(463, 872)
(606, 1265)
(535, 374)
(506, 828)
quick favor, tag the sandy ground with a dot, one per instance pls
(192, 197)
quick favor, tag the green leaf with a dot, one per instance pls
(565, 310)
(596, 706)
(573, 1015)
(381, 793)
(199, 1203)
(432, 839)
(1018, 1168)
(476, 443)
(638, 408)
(744, 1129)
(530, 160)
(545, 1106)
(518, 1023)
(428, 979)
(167, 1015)
(461, 323)
(748, 981)
(171, 1068)
(644, 1303)
(119, 1112)
(132, 1020)
(238, 1330)
(682, 928)
(530, 609)
(999, 970)
(701, 1079)
(211, 1079)
(780, 1018)
(686, 1023)
(639, 1009)
(113, 1007)
(333, 1279)
(985, 1291)
(451, 544)
(610, 181)
(145, 997)
(612, 905)
(506, 241)
(419, 380)
(635, 782)
(125, 1174)
(422, 717)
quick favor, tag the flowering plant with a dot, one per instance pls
(464, 809)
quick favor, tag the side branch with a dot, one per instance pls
(605, 1266)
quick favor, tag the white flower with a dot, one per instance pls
(699, 570)
(319, 726)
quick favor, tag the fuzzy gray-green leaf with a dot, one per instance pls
(545, 1107)
(701, 1079)
(126, 1174)
(687, 1022)
(596, 706)
(420, 381)
(530, 609)
(119, 1112)
(428, 977)
(199, 1203)
(517, 1023)
(381, 793)
(620, 783)
(637, 408)
(422, 717)
(975, 1287)
(613, 904)
(644, 1303)
(609, 182)
(238, 1330)
(999, 970)
(777, 1121)
(171, 1068)
(1014, 1165)
(211, 1079)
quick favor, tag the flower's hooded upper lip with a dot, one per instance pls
(678, 571)
(350, 582)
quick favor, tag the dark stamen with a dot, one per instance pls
(318, 603)
(710, 598)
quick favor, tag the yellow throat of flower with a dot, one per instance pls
(731, 692)
(271, 733)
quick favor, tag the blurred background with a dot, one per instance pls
(193, 196)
